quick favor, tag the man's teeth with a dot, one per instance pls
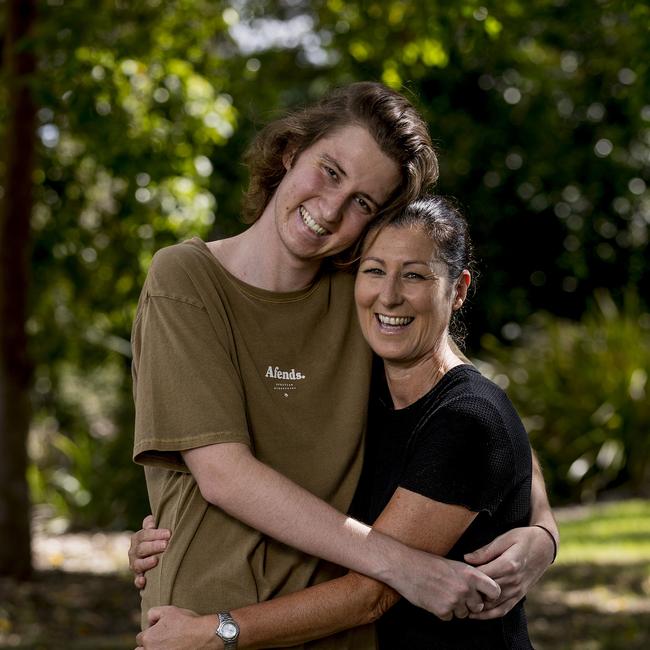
(310, 223)
(394, 320)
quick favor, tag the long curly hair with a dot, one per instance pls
(393, 122)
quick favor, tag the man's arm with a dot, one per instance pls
(330, 607)
(517, 559)
(230, 477)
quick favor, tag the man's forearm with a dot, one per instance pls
(269, 502)
(232, 479)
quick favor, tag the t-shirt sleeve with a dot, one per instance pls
(187, 389)
(462, 455)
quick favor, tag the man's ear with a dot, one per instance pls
(288, 156)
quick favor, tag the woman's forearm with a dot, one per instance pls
(540, 508)
(313, 613)
(231, 478)
(354, 599)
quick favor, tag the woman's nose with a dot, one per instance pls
(391, 291)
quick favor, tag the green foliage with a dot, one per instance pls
(582, 391)
(538, 108)
(81, 447)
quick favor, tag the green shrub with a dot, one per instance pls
(581, 389)
(80, 446)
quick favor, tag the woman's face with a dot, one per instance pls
(403, 295)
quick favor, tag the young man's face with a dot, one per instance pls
(331, 191)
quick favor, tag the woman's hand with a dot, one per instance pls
(445, 587)
(516, 560)
(146, 545)
(172, 628)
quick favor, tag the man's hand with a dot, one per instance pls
(172, 628)
(516, 560)
(145, 547)
(448, 588)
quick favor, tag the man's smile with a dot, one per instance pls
(309, 221)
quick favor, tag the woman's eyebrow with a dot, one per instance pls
(372, 258)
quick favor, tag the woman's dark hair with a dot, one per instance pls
(389, 117)
(444, 223)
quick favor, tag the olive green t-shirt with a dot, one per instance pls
(216, 360)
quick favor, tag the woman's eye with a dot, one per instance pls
(373, 271)
(331, 172)
(413, 276)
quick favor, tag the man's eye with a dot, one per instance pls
(363, 204)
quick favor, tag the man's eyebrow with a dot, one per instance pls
(335, 163)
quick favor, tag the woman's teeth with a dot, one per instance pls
(311, 224)
(394, 320)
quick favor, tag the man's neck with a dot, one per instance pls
(252, 257)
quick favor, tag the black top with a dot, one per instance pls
(462, 443)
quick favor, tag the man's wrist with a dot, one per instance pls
(208, 639)
(391, 558)
(227, 630)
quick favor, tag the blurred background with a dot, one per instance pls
(122, 127)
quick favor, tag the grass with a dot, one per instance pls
(597, 594)
(611, 533)
(595, 597)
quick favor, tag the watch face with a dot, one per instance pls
(229, 631)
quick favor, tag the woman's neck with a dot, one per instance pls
(408, 382)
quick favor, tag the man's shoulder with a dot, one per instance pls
(179, 270)
(170, 260)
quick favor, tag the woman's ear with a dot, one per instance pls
(462, 285)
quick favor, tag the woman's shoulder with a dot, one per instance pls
(472, 396)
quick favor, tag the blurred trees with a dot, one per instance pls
(15, 210)
(538, 108)
(581, 389)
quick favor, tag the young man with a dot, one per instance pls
(251, 381)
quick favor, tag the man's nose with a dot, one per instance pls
(332, 207)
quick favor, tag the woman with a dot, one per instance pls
(448, 467)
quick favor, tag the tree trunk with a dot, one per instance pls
(15, 369)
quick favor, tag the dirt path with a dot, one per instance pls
(82, 599)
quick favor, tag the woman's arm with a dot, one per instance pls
(330, 607)
(230, 477)
(518, 558)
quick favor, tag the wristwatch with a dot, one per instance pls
(227, 630)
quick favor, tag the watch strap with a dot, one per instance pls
(229, 641)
